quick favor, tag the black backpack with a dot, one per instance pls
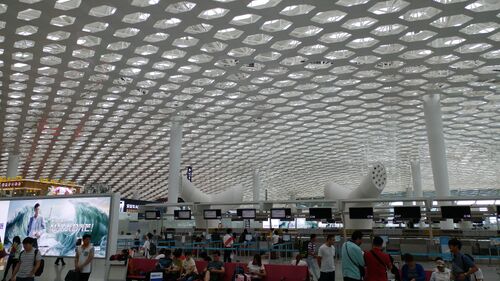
(152, 249)
(39, 271)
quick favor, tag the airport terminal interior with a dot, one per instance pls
(250, 140)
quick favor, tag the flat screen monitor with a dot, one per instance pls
(246, 213)
(287, 237)
(169, 236)
(212, 214)
(182, 214)
(361, 213)
(281, 213)
(409, 212)
(320, 213)
(455, 212)
(498, 211)
(152, 215)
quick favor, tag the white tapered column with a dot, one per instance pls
(416, 178)
(175, 154)
(437, 148)
(256, 185)
(12, 166)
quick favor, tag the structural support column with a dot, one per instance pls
(175, 153)
(416, 178)
(12, 165)
(437, 148)
(256, 185)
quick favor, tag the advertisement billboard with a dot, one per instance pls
(57, 223)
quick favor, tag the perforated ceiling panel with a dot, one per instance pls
(304, 91)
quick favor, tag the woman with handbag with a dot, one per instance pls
(14, 251)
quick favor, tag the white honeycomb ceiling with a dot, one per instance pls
(305, 91)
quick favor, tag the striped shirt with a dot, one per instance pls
(311, 249)
(27, 262)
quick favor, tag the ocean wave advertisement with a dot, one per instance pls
(57, 223)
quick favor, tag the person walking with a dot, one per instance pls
(312, 261)
(377, 262)
(462, 265)
(14, 251)
(353, 263)
(83, 259)
(29, 261)
(326, 260)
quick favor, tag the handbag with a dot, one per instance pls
(360, 268)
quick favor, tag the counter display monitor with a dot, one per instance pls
(361, 213)
(152, 215)
(455, 212)
(410, 212)
(182, 214)
(320, 213)
(56, 223)
(212, 214)
(246, 213)
(281, 213)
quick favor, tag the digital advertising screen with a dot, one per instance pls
(212, 214)
(57, 223)
(361, 213)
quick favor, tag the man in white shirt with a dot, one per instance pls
(147, 245)
(228, 241)
(326, 260)
(441, 273)
(83, 259)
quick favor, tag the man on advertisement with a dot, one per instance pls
(36, 225)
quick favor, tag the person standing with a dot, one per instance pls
(228, 242)
(147, 245)
(326, 260)
(353, 262)
(29, 261)
(83, 259)
(14, 251)
(137, 238)
(462, 265)
(312, 261)
(377, 262)
(36, 225)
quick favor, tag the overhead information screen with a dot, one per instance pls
(212, 214)
(411, 212)
(455, 212)
(281, 213)
(361, 213)
(320, 213)
(152, 215)
(246, 213)
(182, 214)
